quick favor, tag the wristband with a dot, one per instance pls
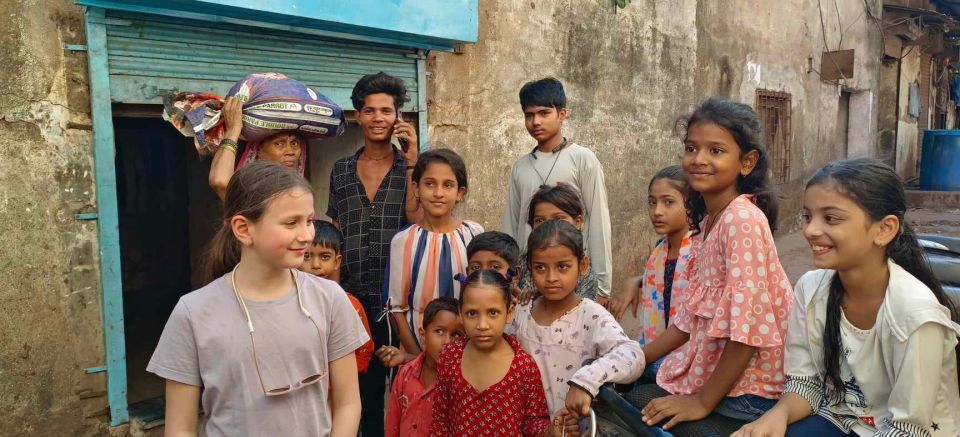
(229, 145)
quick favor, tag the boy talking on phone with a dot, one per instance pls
(369, 202)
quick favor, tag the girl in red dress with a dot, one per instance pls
(486, 384)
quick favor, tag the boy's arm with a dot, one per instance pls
(594, 191)
(344, 397)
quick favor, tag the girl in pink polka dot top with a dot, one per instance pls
(724, 349)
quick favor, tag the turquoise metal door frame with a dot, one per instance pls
(108, 229)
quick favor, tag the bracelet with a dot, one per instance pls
(411, 167)
(229, 144)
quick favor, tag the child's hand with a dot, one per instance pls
(679, 408)
(564, 424)
(527, 295)
(602, 300)
(578, 401)
(628, 297)
(390, 356)
(765, 426)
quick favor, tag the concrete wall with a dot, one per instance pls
(745, 46)
(630, 73)
(49, 288)
(627, 73)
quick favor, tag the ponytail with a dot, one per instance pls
(249, 192)
(832, 347)
(223, 254)
(879, 191)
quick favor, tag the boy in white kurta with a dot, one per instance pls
(554, 160)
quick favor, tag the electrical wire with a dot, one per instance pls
(839, 24)
(826, 47)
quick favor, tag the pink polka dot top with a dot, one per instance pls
(737, 291)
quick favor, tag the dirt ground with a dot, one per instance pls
(795, 253)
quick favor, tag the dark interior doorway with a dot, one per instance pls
(167, 213)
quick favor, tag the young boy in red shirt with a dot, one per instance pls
(410, 409)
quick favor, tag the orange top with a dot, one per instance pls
(365, 352)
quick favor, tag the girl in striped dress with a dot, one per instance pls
(424, 257)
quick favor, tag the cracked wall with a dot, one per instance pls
(628, 73)
(745, 46)
(49, 289)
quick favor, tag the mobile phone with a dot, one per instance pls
(403, 143)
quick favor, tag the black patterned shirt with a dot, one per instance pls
(367, 227)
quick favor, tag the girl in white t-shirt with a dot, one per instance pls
(871, 347)
(267, 349)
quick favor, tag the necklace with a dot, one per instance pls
(556, 157)
(713, 218)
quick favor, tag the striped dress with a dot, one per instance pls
(422, 266)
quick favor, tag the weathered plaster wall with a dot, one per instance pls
(627, 73)
(745, 46)
(630, 73)
(49, 287)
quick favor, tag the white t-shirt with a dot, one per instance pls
(855, 403)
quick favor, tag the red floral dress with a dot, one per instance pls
(514, 406)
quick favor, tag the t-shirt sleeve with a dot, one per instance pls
(912, 403)
(176, 357)
(619, 359)
(751, 308)
(397, 285)
(345, 333)
(511, 211)
(594, 191)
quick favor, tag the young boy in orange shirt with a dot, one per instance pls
(323, 259)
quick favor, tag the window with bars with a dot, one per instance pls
(773, 107)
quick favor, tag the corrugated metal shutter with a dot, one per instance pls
(148, 54)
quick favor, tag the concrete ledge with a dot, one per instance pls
(933, 199)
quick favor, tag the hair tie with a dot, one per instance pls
(461, 278)
(509, 275)
(226, 223)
